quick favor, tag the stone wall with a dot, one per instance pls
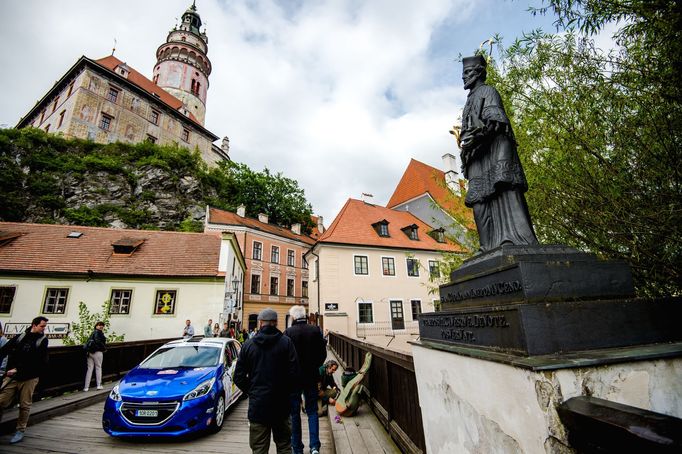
(471, 405)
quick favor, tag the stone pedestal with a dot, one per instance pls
(524, 328)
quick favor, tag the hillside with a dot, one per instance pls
(48, 179)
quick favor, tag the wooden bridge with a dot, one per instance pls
(70, 421)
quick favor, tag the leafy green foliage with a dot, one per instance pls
(600, 133)
(46, 178)
(81, 330)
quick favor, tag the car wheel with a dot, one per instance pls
(218, 415)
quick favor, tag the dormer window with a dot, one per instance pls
(412, 232)
(381, 228)
(438, 235)
(126, 245)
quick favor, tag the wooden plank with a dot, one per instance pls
(81, 432)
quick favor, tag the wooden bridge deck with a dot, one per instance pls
(81, 432)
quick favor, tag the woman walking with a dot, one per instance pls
(96, 345)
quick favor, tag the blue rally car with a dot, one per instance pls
(183, 387)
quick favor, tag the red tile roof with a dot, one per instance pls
(46, 248)
(353, 225)
(217, 216)
(110, 62)
(419, 179)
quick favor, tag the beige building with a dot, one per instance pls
(106, 100)
(370, 273)
(277, 274)
(154, 280)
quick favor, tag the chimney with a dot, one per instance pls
(320, 226)
(241, 211)
(296, 228)
(262, 217)
(451, 173)
(225, 146)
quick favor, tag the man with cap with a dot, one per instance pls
(267, 371)
(312, 350)
(491, 164)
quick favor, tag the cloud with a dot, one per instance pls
(336, 94)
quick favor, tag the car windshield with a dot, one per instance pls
(182, 356)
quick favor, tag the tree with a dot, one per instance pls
(600, 133)
(260, 192)
(81, 330)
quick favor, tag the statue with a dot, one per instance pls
(491, 164)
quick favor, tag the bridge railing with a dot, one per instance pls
(67, 365)
(392, 389)
(409, 328)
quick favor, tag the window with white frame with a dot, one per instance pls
(290, 287)
(55, 300)
(257, 251)
(388, 266)
(274, 255)
(416, 309)
(291, 258)
(255, 283)
(361, 265)
(365, 312)
(304, 289)
(304, 262)
(120, 301)
(433, 269)
(412, 267)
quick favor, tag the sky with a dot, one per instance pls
(336, 94)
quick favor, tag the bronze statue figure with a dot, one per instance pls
(491, 164)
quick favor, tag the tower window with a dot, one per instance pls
(198, 88)
(54, 105)
(151, 138)
(185, 135)
(156, 79)
(61, 118)
(70, 89)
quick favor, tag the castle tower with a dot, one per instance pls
(182, 67)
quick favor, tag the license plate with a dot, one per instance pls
(148, 413)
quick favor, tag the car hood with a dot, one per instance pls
(162, 383)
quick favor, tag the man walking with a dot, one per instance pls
(27, 357)
(267, 371)
(311, 350)
(208, 329)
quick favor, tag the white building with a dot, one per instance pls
(370, 273)
(154, 280)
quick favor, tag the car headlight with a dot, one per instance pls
(200, 390)
(115, 394)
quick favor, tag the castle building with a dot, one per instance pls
(106, 100)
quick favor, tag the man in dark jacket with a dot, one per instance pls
(267, 371)
(27, 359)
(311, 349)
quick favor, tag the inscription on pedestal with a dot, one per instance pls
(505, 285)
(494, 328)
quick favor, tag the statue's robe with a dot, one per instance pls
(496, 180)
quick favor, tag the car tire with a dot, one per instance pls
(218, 415)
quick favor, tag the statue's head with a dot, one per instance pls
(473, 69)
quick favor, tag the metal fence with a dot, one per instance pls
(392, 389)
(386, 329)
(66, 368)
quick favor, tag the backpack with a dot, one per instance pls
(38, 341)
(89, 345)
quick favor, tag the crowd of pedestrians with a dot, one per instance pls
(276, 370)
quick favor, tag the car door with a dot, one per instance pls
(234, 353)
(228, 360)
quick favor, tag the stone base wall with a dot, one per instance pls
(471, 405)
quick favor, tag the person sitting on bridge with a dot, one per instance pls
(327, 387)
(27, 358)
